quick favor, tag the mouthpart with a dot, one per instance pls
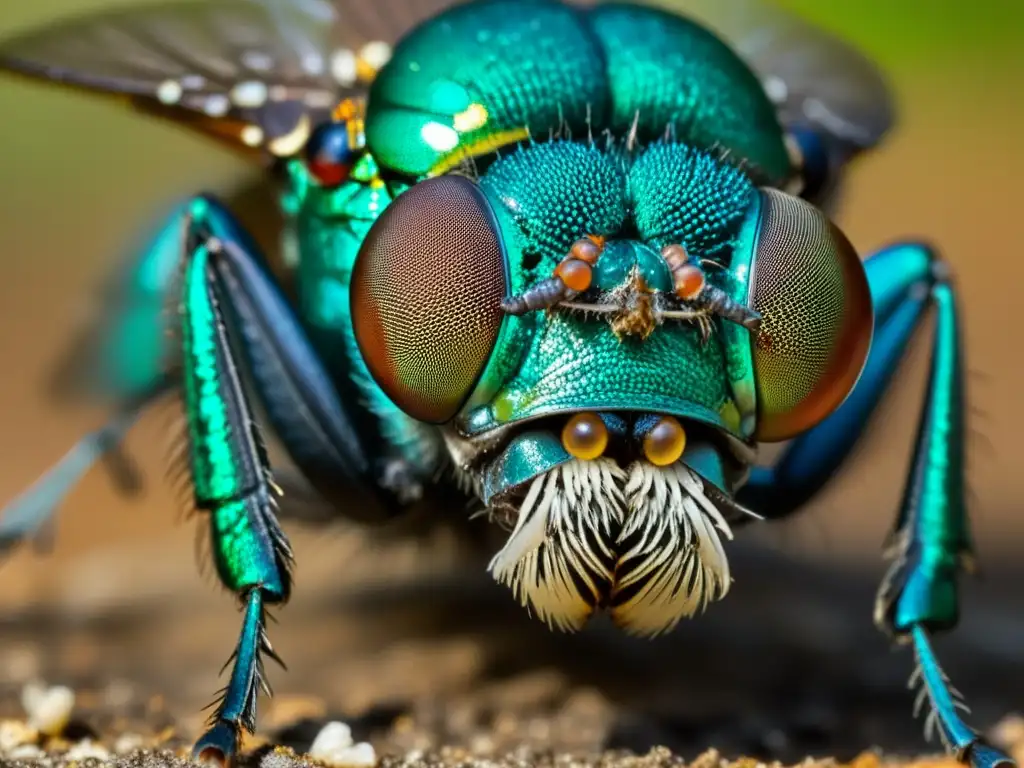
(639, 539)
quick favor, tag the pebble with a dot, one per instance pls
(48, 709)
(25, 752)
(86, 750)
(333, 746)
(361, 755)
(128, 742)
(14, 734)
(332, 736)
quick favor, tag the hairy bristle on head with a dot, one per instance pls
(646, 542)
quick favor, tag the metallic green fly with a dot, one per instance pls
(571, 260)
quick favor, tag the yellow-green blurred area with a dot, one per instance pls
(81, 177)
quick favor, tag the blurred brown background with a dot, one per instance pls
(81, 177)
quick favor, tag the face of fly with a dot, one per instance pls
(612, 471)
(599, 385)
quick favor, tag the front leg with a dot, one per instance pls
(118, 357)
(232, 483)
(930, 543)
(232, 313)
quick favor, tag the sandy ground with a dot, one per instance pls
(433, 662)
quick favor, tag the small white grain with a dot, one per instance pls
(25, 752)
(86, 750)
(14, 733)
(128, 742)
(48, 709)
(361, 755)
(332, 737)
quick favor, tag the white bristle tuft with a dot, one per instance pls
(645, 541)
(564, 540)
(672, 562)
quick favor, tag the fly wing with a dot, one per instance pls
(257, 73)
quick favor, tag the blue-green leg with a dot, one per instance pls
(121, 358)
(300, 397)
(118, 359)
(232, 484)
(930, 543)
(26, 516)
(235, 319)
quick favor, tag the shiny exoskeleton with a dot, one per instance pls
(570, 259)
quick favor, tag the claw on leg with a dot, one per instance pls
(945, 700)
(237, 709)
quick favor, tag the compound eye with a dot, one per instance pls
(426, 296)
(811, 289)
(331, 152)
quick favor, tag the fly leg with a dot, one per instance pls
(119, 357)
(25, 517)
(236, 327)
(930, 543)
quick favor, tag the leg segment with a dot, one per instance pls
(930, 543)
(120, 357)
(231, 477)
(26, 516)
(294, 387)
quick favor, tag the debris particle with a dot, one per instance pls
(48, 709)
(128, 742)
(333, 736)
(25, 752)
(14, 733)
(333, 746)
(87, 750)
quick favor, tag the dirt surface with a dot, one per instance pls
(434, 664)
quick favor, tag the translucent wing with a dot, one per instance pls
(257, 73)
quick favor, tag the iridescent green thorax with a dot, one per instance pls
(483, 75)
(330, 226)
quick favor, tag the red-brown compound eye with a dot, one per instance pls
(811, 289)
(329, 153)
(426, 296)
